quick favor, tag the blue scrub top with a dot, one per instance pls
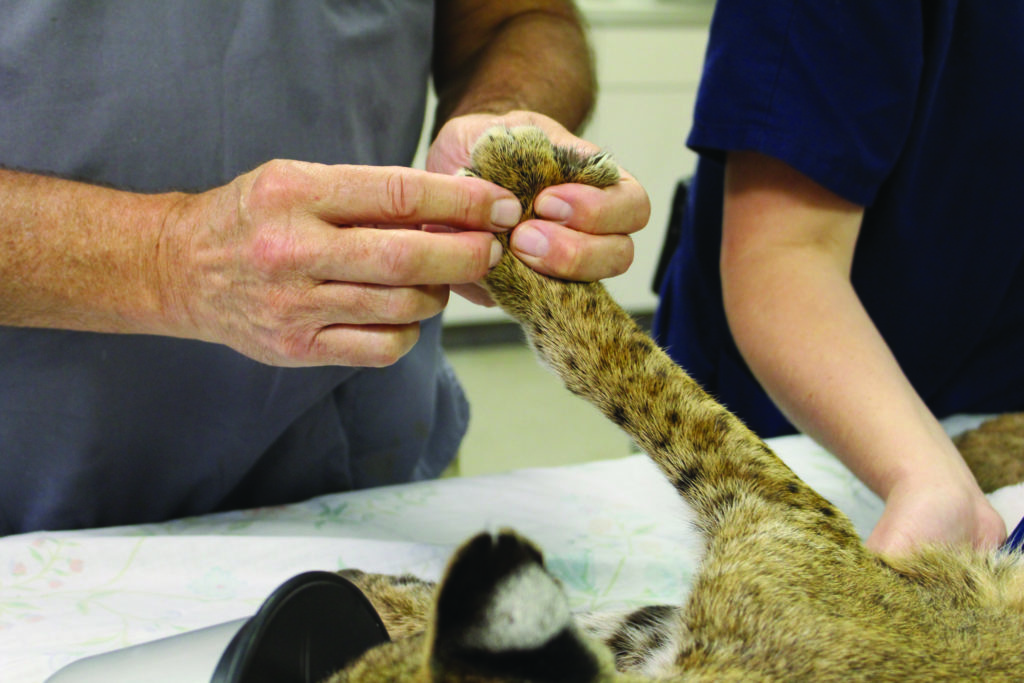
(911, 109)
(102, 429)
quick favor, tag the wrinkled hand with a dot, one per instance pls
(582, 232)
(920, 513)
(303, 264)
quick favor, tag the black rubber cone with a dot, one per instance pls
(311, 626)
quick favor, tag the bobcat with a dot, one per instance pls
(786, 589)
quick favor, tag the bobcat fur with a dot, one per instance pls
(786, 590)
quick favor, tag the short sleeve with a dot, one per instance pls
(828, 86)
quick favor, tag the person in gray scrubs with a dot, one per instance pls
(216, 288)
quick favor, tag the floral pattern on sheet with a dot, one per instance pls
(614, 532)
(71, 594)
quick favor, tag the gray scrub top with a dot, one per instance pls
(102, 429)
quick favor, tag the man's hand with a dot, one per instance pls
(582, 232)
(302, 264)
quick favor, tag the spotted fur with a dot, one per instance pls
(786, 590)
(993, 451)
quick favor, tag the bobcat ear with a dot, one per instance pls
(499, 613)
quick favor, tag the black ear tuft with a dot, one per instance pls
(500, 613)
(475, 572)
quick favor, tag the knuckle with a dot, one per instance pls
(375, 348)
(402, 196)
(612, 214)
(274, 183)
(573, 260)
(272, 243)
(401, 305)
(595, 218)
(382, 356)
(476, 272)
(467, 200)
(395, 345)
(281, 309)
(473, 266)
(397, 258)
(297, 345)
(627, 252)
(642, 206)
(621, 256)
(273, 251)
(285, 325)
(588, 258)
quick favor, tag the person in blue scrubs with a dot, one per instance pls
(205, 303)
(850, 262)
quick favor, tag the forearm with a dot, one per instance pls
(514, 55)
(804, 333)
(79, 256)
(787, 251)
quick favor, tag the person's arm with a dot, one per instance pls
(497, 57)
(276, 264)
(527, 61)
(787, 250)
(259, 264)
(78, 256)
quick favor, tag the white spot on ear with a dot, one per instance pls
(526, 610)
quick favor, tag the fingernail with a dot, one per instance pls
(530, 241)
(496, 252)
(505, 213)
(553, 208)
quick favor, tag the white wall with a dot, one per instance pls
(649, 55)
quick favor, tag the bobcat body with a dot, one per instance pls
(786, 589)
